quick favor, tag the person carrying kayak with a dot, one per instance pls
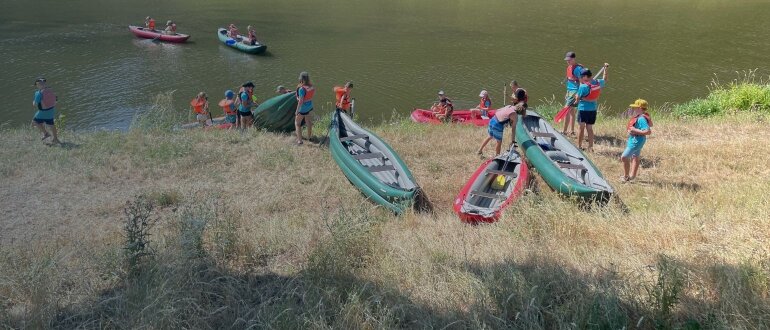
(44, 102)
(232, 31)
(342, 94)
(573, 82)
(443, 109)
(149, 23)
(638, 128)
(305, 92)
(245, 103)
(228, 107)
(170, 28)
(251, 39)
(587, 102)
(485, 104)
(200, 105)
(508, 115)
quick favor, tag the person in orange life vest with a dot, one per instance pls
(200, 105)
(508, 115)
(149, 23)
(170, 28)
(485, 104)
(342, 94)
(228, 107)
(638, 128)
(573, 82)
(587, 103)
(44, 102)
(245, 102)
(282, 90)
(232, 31)
(443, 109)
(251, 38)
(305, 92)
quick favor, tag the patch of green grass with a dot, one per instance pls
(741, 95)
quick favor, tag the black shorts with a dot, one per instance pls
(588, 117)
(244, 114)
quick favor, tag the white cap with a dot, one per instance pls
(440, 92)
(483, 93)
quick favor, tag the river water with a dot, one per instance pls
(399, 53)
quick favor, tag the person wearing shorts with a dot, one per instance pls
(44, 102)
(587, 103)
(573, 82)
(305, 92)
(507, 115)
(246, 101)
(639, 127)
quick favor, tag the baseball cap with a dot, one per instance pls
(483, 93)
(441, 92)
(569, 55)
(39, 79)
(586, 72)
(639, 103)
(229, 94)
(279, 88)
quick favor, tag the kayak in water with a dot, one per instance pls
(157, 35)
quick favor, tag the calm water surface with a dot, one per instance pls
(398, 52)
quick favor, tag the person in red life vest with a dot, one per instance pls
(443, 109)
(245, 102)
(305, 92)
(573, 82)
(251, 38)
(170, 28)
(342, 95)
(508, 115)
(200, 105)
(228, 107)
(232, 31)
(587, 104)
(149, 23)
(282, 90)
(44, 102)
(485, 104)
(638, 128)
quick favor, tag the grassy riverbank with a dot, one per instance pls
(248, 230)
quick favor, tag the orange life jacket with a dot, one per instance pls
(343, 98)
(198, 104)
(151, 24)
(595, 89)
(309, 92)
(483, 103)
(632, 122)
(48, 100)
(571, 72)
(228, 106)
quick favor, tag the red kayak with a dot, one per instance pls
(157, 34)
(483, 198)
(458, 116)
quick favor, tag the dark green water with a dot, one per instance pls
(398, 52)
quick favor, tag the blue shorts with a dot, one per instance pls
(569, 98)
(43, 121)
(495, 129)
(632, 150)
(230, 119)
(588, 117)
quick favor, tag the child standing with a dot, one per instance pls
(200, 106)
(638, 128)
(228, 106)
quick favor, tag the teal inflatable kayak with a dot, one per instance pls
(371, 165)
(238, 44)
(277, 114)
(560, 163)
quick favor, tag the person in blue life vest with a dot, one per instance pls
(573, 82)
(305, 92)
(587, 99)
(245, 101)
(638, 128)
(44, 102)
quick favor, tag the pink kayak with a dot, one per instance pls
(157, 34)
(458, 116)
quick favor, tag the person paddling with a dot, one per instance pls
(245, 103)
(228, 107)
(149, 23)
(485, 104)
(508, 115)
(587, 102)
(305, 92)
(638, 128)
(443, 109)
(200, 105)
(573, 82)
(44, 102)
(170, 28)
(342, 94)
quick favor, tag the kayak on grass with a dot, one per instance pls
(560, 163)
(371, 165)
(458, 116)
(277, 113)
(238, 44)
(157, 34)
(483, 198)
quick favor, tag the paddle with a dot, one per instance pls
(352, 106)
(332, 123)
(564, 111)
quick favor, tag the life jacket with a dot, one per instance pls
(343, 98)
(252, 36)
(233, 33)
(309, 92)
(571, 72)
(483, 103)
(503, 114)
(228, 106)
(595, 89)
(526, 95)
(151, 24)
(198, 104)
(632, 122)
(173, 27)
(48, 101)
(251, 97)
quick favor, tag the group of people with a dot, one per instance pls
(149, 23)
(249, 39)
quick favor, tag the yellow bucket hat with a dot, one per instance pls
(639, 103)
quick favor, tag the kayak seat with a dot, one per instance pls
(542, 135)
(506, 173)
(354, 137)
(486, 195)
(572, 166)
(368, 155)
(557, 156)
(380, 168)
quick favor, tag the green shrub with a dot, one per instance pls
(746, 94)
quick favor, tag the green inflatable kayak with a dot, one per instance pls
(277, 114)
(238, 44)
(559, 162)
(371, 165)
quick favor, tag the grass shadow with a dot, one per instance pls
(680, 185)
(609, 140)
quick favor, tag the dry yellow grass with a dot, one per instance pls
(286, 241)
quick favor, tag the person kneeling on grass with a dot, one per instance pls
(443, 109)
(44, 101)
(484, 105)
(200, 106)
(505, 115)
(638, 128)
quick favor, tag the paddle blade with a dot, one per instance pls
(561, 114)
